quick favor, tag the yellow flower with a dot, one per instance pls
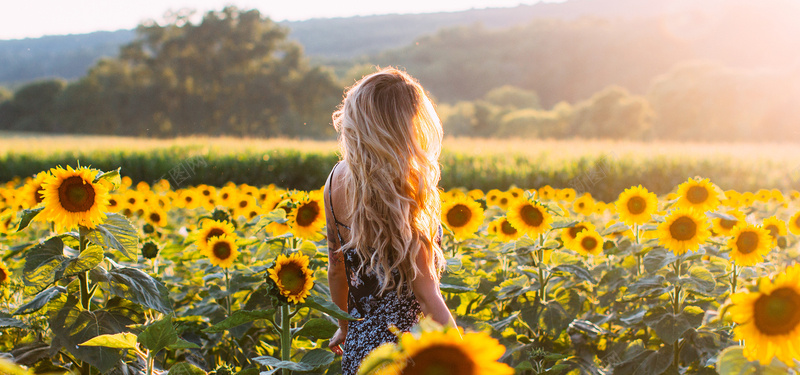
(724, 226)
(4, 275)
(71, 198)
(794, 224)
(700, 195)
(529, 217)
(308, 216)
(515, 192)
(463, 216)
(189, 199)
(156, 216)
(568, 235)
(732, 198)
(546, 193)
(445, 352)
(588, 242)
(584, 205)
(228, 195)
(566, 195)
(763, 195)
(749, 244)
(293, 277)
(636, 205)
(769, 320)
(776, 228)
(222, 250)
(504, 231)
(31, 192)
(475, 194)
(212, 228)
(492, 196)
(383, 360)
(684, 230)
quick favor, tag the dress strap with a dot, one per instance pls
(330, 199)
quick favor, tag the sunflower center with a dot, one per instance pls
(307, 213)
(747, 242)
(504, 201)
(773, 230)
(589, 243)
(636, 205)
(3, 275)
(573, 232)
(777, 313)
(459, 215)
(76, 195)
(440, 360)
(797, 221)
(214, 232)
(727, 224)
(37, 195)
(292, 278)
(507, 228)
(222, 250)
(697, 194)
(531, 215)
(243, 204)
(683, 229)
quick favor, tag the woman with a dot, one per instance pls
(382, 208)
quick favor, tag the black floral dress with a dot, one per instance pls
(376, 313)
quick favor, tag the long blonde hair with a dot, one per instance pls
(390, 139)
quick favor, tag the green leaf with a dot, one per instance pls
(700, 280)
(26, 216)
(312, 361)
(657, 259)
(118, 233)
(111, 176)
(647, 362)
(616, 228)
(185, 368)
(124, 340)
(87, 260)
(694, 315)
(561, 224)
(554, 319)
(159, 335)
(450, 288)
(577, 271)
(43, 263)
(8, 322)
(668, 326)
(277, 215)
(651, 286)
(318, 358)
(327, 307)
(241, 317)
(502, 324)
(135, 286)
(40, 300)
(318, 328)
(183, 344)
(733, 361)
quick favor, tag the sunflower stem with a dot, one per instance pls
(734, 278)
(227, 292)
(84, 277)
(676, 309)
(542, 282)
(286, 337)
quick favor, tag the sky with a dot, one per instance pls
(35, 18)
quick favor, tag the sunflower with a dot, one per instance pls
(515, 192)
(308, 216)
(156, 216)
(188, 199)
(475, 194)
(71, 197)
(463, 216)
(700, 195)
(228, 195)
(386, 359)
(212, 228)
(769, 320)
(723, 226)
(732, 198)
(588, 242)
(636, 205)
(222, 250)
(763, 195)
(504, 199)
(31, 192)
(504, 231)
(584, 205)
(568, 235)
(492, 196)
(747, 199)
(546, 193)
(749, 244)
(794, 224)
(566, 195)
(243, 204)
(446, 352)
(293, 277)
(529, 217)
(684, 230)
(776, 228)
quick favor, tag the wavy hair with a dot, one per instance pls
(390, 139)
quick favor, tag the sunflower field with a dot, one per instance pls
(101, 275)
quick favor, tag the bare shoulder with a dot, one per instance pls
(335, 197)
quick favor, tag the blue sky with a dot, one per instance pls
(35, 18)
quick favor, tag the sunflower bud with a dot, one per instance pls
(782, 242)
(148, 228)
(149, 250)
(221, 215)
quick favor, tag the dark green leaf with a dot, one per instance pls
(616, 228)
(241, 317)
(699, 279)
(26, 216)
(185, 368)
(450, 288)
(136, 286)
(657, 258)
(111, 176)
(11, 322)
(118, 233)
(564, 224)
(88, 259)
(577, 271)
(668, 326)
(651, 286)
(276, 364)
(183, 344)
(318, 358)
(43, 262)
(327, 307)
(40, 300)
(554, 319)
(648, 362)
(159, 334)
(502, 324)
(317, 329)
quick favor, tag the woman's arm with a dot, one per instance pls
(337, 277)
(426, 288)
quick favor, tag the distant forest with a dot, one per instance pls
(716, 70)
